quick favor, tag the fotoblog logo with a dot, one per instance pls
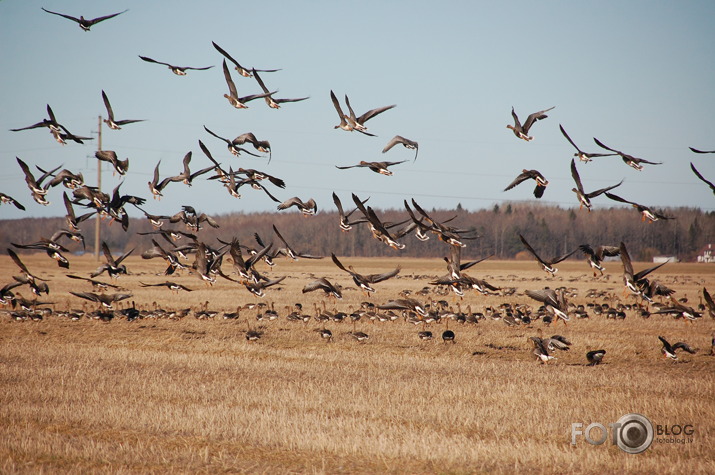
(632, 433)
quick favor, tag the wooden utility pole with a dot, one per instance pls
(97, 222)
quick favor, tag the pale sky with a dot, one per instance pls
(638, 75)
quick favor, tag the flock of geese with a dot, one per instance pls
(554, 305)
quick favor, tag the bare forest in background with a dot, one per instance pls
(549, 229)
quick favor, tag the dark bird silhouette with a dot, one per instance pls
(84, 23)
(669, 350)
(701, 151)
(111, 122)
(377, 167)
(535, 175)
(7, 199)
(522, 131)
(178, 70)
(629, 160)
(697, 174)
(595, 357)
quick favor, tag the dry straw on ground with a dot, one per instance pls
(159, 395)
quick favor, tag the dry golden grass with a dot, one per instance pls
(157, 395)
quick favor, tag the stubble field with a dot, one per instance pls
(192, 395)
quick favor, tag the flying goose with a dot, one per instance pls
(701, 151)
(156, 186)
(629, 160)
(37, 191)
(7, 199)
(178, 70)
(173, 286)
(321, 283)
(53, 249)
(345, 223)
(535, 175)
(308, 208)
(581, 155)
(365, 281)
(451, 235)
(26, 277)
(109, 156)
(554, 301)
(232, 97)
(547, 265)
(377, 167)
(408, 304)
(65, 177)
(272, 102)
(260, 145)
(258, 288)
(84, 23)
(522, 131)
(110, 121)
(358, 123)
(114, 267)
(232, 146)
(669, 350)
(289, 251)
(697, 173)
(241, 70)
(709, 303)
(73, 221)
(186, 177)
(635, 282)
(407, 143)
(595, 256)
(646, 213)
(583, 197)
(106, 300)
(96, 284)
(377, 227)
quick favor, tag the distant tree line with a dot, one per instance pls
(549, 229)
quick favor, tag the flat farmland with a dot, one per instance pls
(193, 395)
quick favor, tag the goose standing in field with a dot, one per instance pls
(697, 174)
(232, 97)
(595, 357)
(178, 70)
(272, 102)
(535, 175)
(7, 199)
(669, 350)
(701, 151)
(345, 223)
(407, 143)
(595, 256)
(232, 147)
(325, 334)
(308, 208)
(629, 160)
(522, 131)
(377, 167)
(83, 22)
(109, 156)
(360, 337)
(584, 198)
(365, 281)
(241, 70)
(111, 122)
(646, 213)
(547, 265)
(581, 155)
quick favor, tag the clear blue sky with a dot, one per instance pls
(639, 75)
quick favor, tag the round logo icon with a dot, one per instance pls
(635, 433)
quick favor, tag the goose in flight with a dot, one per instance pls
(37, 190)
(232, 96)
(535, 175)
(308, 208)
(109, 156)
(106, 300)
(156, 186)
(553, 300)
(646, 213)
(635, 282)
(697, 174)
(321, 283)
(365, 281)
(7, 199)
(629, 160)
(669, 350)
(84, 23)
(114, 267)
(547, 265)
(377, 167)
(595, 256)
(232, 145)
(272, 102)
(522, 131)
(584, 198)
(178, 70)
(289, 251)
(173, 286)
(407, 143)
(701, 151)
(580, 154)
(111, 122)
(345, 223)
(241, 70)
(359, 122)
